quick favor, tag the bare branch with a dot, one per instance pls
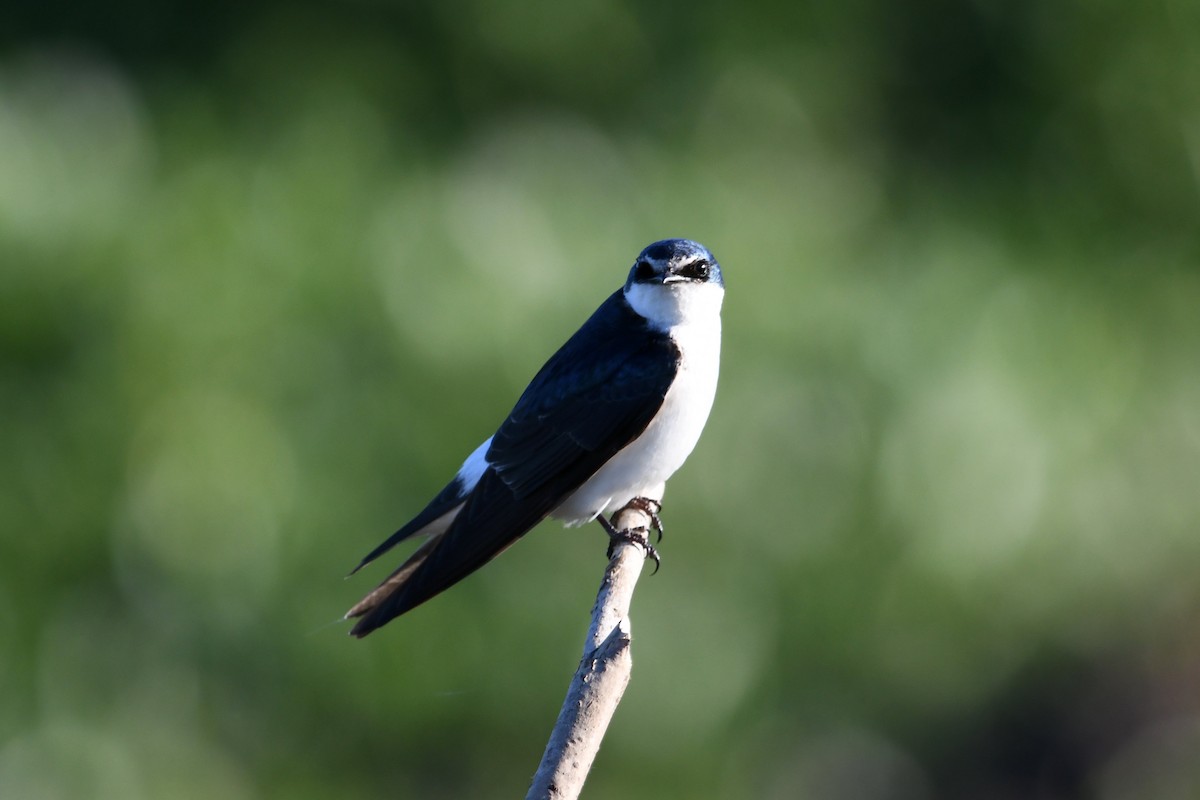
(601, 678)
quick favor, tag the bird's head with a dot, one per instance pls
(675, 281)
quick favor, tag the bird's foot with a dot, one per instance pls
(651, 508)
(636, 536)
(639, 537)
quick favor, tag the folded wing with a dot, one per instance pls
(591, 399)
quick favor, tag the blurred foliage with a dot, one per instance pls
(268, 272)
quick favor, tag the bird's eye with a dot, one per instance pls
(644, 271)
(697, 271)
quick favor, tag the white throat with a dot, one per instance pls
(670, 305)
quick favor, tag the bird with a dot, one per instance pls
(602, 426)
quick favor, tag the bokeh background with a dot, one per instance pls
(269, 271)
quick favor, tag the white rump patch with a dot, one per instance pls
(473, 468)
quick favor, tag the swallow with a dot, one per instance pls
(609, 418)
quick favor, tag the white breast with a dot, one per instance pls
(642, 468)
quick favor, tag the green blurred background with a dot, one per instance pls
(269, 271)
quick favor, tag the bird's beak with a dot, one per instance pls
(668, 278)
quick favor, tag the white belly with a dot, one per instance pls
(642, 468)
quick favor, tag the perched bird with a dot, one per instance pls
(603, 424)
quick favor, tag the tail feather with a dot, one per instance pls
(489, 522)
(394, 583)
(436, 517)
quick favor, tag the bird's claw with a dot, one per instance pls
(633, 536)
(651, 508)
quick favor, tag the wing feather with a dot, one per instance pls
(591, 399)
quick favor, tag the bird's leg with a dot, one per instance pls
(633, 535)
(651, 508)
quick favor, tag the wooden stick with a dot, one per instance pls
(602, 675)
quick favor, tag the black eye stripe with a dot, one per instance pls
(645, 270)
